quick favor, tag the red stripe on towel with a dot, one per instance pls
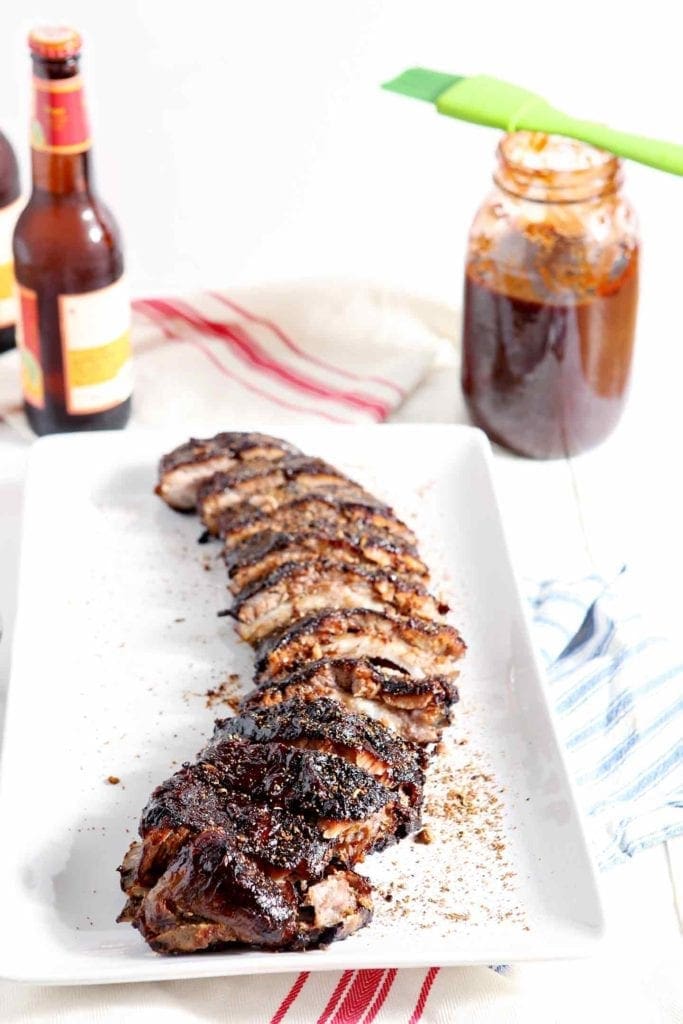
(381, 996)
(290, 997)
(148, 307)
(249, 350)
(424, 995)
(293, 347)
(339, 989)
(359, 997)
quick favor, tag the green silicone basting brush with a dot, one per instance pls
(490, 101)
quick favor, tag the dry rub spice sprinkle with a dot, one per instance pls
(228, 692)
(466, 875)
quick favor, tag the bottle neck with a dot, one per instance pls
(550, 169)
(60, 135)
(60, 175)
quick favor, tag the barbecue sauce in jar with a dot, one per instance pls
(551, 292)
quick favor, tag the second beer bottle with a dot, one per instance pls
(74, 317)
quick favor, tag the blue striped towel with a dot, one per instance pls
(618, 696)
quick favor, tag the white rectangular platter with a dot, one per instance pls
(117, 645)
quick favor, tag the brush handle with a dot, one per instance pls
(665, 156)
(490, 101)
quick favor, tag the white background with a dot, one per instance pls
(242, 141)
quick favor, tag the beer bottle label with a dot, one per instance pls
(96, 350)
(28, 343)
(8, 302)
(59, 123)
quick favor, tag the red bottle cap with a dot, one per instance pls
(55, 42)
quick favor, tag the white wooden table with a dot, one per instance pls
(622, 503)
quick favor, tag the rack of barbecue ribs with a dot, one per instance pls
(256, 843)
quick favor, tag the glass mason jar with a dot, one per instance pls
(551, 291)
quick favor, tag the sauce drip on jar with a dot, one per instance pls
(551, 290)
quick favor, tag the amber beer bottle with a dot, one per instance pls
(9, 210)
(74, 310)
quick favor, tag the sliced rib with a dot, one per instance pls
(416, 709)
(326, 789)
(297, 589)
(325, 725)
(183, 471)
(338, 512)
(212, 896)
(421, 648)
(264, 552)
(198, 796)
(267, 485)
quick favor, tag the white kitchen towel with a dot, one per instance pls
(617, 690)
(331, 352)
